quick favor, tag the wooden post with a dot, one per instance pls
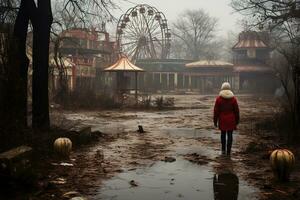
(136, 87)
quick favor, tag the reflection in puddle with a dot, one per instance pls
(226, 186)
(169, 181)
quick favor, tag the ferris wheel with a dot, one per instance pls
(143, 33)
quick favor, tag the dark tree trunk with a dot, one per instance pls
(297, 106)
(16, 106)
(41, 37)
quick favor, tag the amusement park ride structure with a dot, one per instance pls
(143, 37)
(143, 33)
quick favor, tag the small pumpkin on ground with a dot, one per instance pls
(63, 146)
(282, 162)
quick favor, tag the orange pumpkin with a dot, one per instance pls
(63, 146)
(282, 162)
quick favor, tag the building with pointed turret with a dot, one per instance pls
(251, 55)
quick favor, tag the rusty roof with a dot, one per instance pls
(250, 44)
(208, 63)
(244, 68)
(123, 64)
(250, 39)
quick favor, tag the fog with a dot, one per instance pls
(227, 17)
(149, 99)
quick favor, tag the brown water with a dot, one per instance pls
(180, 179)
(177, 180)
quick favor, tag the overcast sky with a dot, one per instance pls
(172, 8)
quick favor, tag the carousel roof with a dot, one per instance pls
(250, 39)
(250, 44)
(123, 64)
(209, 63)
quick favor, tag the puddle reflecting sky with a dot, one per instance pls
(192, 133)
(177, 180)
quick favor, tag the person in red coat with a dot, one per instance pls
(226, 116)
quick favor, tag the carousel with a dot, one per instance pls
(125, 70)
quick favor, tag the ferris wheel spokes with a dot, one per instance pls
(142, 32)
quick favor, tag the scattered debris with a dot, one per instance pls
(99, 156)
(134, 163)
(282, 192)
(59, 181)
(198, 159)
(141, 129)
(137, 156)
(172, 181)
(180, 195)
(66, 164)
(70, 194)
(78, 198)
(169, 159)
(63, 164)
(133, 183)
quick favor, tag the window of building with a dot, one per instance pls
(251, 53)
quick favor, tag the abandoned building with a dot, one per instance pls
(184, 75)
(82, 54)
(251, 55)
(90, 51)
(248, 72)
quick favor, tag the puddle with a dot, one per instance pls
(191, 133)
(178, 180)
(170, 181)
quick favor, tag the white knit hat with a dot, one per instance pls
(226, 86)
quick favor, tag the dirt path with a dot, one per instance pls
(138, 164)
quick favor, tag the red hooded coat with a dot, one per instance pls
(226, 111)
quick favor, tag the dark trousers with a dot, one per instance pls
(226, 145)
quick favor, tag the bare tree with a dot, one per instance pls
(178, 49)
(289, 47)
(276, 12)
(39, 14)
(196, 29)
(227, 42)
(68, 15)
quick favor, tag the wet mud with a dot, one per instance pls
(134, 165)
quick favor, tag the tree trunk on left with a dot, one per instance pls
(41, 38)
(16, 100)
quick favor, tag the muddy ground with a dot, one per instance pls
(125, 164)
